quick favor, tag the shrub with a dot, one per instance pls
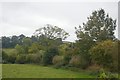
(75, 61)
(4, 57)
(57, 59)
(19, 49)
(37, 58)
(21, 59)
(12, 57)
(34, 48)
(66, 59)
(29, 58)
(48, 56)
(84, 62)
(34, 58)
(107, 75)
(105, 53)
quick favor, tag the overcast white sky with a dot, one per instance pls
(25, 17)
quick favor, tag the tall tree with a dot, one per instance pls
(34, 39)
(26, 43)
(100, 26)
(6, 42)
(52, 32)
(14, 41)
(21, 38)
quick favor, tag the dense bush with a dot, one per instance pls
(48, 55)
(37, 58)
(21, 59)
(34, 48)
(84, 63)
(4, 57)
(107, 75)
(105, 53)
(67, 58)
(12, 57)
(75, 61)
(33, 58)
(29, 58)
(19, 49)
(57, 60)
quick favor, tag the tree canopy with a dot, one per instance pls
(52, 32)
(100, 26)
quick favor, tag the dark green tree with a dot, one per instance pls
(100, 26)
(49, 54)
(34, 39)
(14, 41)
(6, 42)
(27, 42)
(4, 57)
(21, 38)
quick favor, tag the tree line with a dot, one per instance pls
(96, 45)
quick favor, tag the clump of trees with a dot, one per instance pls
(105, 54)
(99, 28)
(40, 48)
(96, 45)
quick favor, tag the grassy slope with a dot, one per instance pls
(9, 50)
(36, 71)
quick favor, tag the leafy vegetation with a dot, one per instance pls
(96, 46)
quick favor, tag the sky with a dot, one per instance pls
(25, 17)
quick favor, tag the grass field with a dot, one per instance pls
(0, 71)
(37, 71)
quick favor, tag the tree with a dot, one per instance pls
(6, 42)
(83, 45)
(0, 42)
(26, 43)
(75, 61)
(57, 60)
(67, 49)
(52, 32)
(21, 59)
(98, 27)
(49, 54)
(34, 48)
(21, 38)
(19, 49)
(12, 57)
(63, 49)
(4, 57)
(34, 39)
(14, 41)
(105, 53)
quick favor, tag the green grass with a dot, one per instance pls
(0, 71)
(37, 71)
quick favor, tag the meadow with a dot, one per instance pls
(37, 71)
